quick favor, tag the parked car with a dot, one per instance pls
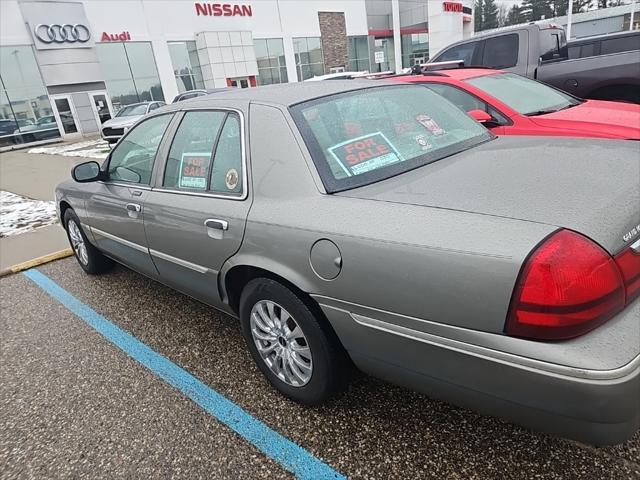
(378, 224)
(604, 44)
(196, 93)
(112, 130)
(8, 125)
(539, 51)
(509, 104)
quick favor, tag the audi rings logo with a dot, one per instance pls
(62, 33)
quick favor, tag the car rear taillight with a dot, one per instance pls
(628, 262)
(568, 286)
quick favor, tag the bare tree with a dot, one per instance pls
(503, 13)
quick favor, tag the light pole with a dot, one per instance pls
(569, 15)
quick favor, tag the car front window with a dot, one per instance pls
(525, 96)
(363, 136)
(132, 159)
(132, 110)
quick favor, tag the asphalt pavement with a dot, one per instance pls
(73, 405)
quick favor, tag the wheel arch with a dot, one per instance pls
(235, 277)
(64, 206)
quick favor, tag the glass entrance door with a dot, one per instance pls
(239, 82)
(101, 106)
(66, 115)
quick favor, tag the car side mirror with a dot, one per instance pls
(86, 172)
(480, 115)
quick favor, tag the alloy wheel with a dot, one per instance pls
(281, 343)
(77, 242)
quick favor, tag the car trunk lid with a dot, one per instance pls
(590, 186)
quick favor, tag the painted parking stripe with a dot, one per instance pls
(288, 454)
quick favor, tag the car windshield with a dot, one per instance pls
(523, 95)
(132, 110)
(364, 136)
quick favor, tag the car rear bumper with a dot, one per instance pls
(600, 407)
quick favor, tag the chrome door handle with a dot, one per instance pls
(217, 224)
(136, 193)
(133, 207)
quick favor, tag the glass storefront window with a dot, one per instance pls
(130, 72)
(25, 110)
(186, 66)
(309, 59)
(358, 48)
(384, 45)
(415, 49)
(272, 67)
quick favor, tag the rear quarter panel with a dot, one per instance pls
(431, 264)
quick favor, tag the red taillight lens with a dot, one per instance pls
(568, 286)
(628, 262)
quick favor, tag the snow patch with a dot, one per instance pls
(20, 214)
(89, 149)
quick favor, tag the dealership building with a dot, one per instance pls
(68, 66)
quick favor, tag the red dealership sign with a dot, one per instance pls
(223, 10)
(115, 37)
(452, 7)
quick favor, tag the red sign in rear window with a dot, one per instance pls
(366, 153)
(194, 169)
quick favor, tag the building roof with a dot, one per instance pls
(597, 14)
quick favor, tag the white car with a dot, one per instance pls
(114, 129)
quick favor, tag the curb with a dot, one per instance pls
(67, 252)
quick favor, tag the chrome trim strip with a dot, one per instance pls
(484, 353)
(243, 153)
(179, 261)
(635, 246)
(102, 233)
(135, 186)
(196, 194)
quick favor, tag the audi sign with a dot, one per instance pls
(65, 33)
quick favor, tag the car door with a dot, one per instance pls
(116, 206)
(195, 217)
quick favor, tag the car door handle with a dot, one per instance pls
(133, 207)
(136, 193)
(217, 224)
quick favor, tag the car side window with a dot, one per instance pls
(191, 153)
(501, 52)
(466, 101)
(622, 44)
(226, 174)
(461, 99)
(460, 52)
(132, 159)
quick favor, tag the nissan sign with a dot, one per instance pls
(65, 33)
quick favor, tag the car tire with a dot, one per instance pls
(88, 256)
(327, 359)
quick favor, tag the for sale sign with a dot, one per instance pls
(365, 153)
(194, 168)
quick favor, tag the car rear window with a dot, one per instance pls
(363, 136)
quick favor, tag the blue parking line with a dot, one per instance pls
(288, 454)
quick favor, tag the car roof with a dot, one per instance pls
(454, 73)
(285, 94)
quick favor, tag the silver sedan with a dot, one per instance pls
(348, 223)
